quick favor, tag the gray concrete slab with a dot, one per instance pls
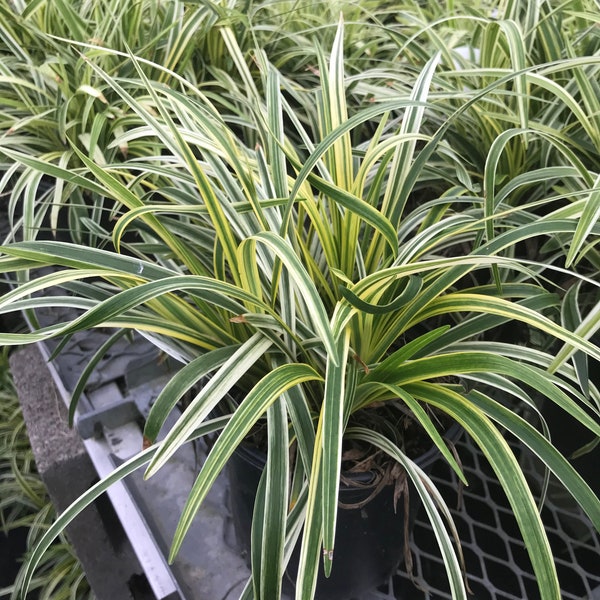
(63, 463)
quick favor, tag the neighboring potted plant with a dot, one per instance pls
(327, 297)
(52, 100)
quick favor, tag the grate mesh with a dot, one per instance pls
(497, 562)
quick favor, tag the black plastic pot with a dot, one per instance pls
(369, 540)
(13, 545)
(568, 435)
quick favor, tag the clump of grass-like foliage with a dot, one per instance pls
(329, 214)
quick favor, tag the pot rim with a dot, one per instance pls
(258, 457)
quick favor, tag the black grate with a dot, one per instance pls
(497, 562)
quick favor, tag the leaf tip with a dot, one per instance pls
(327, 561)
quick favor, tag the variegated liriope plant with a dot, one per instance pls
(53, 103)
(338, 265)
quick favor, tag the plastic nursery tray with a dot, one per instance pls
(497, 562)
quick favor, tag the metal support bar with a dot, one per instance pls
(154, 564)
